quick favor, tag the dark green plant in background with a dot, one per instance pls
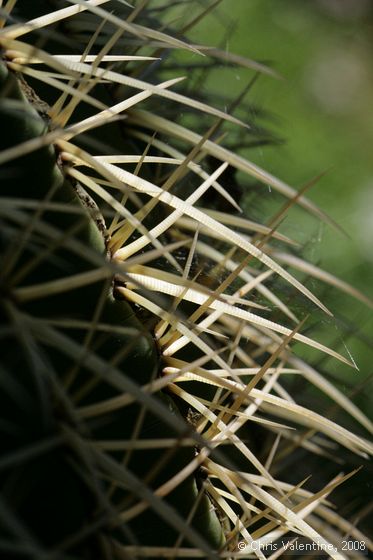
(321, 109)
(146, 408)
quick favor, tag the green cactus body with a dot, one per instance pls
(72, 503)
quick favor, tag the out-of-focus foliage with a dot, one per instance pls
(321, 113)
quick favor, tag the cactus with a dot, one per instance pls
(140, 368)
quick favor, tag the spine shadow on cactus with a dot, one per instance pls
(74, 496)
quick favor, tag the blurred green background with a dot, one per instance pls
(322, 109)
